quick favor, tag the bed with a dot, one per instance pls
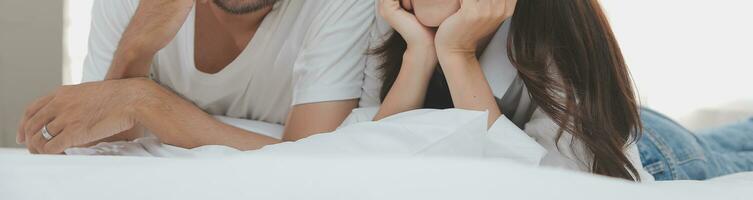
(404, 157)
(293, 177)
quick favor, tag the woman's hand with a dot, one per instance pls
(80, 114)
(460, 33)
(457, 41)
(419, 61)
(405, 23)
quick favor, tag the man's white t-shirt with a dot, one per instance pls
(303, 52)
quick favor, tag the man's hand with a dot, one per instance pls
(80, 114)
(153, 26)
(156, 22)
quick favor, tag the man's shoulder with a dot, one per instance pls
(324, 13)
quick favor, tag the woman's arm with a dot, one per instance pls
(457, 42)
(468, 85)
(419, 61)
(409, 90)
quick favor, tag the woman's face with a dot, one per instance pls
(431, 13)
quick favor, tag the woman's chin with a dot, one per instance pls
(432, 13)
(431, 23)
(432, 19)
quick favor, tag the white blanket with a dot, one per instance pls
(453, 132)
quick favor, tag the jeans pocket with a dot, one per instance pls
(659, 171)
(654, 161)
(696, 169)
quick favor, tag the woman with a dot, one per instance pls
(565, 80)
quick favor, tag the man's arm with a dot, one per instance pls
(109, 21)
(152, 26)
(308, 119)
(329, 77)
(177, 122)
(79, 114)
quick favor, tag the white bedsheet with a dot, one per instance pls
(322, 177)
(416, 155)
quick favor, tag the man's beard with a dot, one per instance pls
(239, 7)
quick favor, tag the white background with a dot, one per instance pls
(684, 54)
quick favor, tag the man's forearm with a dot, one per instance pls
(130, 62)
(153, 25)
(177, 122)
(151, 28)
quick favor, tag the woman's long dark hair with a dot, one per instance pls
(569, 59)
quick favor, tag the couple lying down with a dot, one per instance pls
(551, 70)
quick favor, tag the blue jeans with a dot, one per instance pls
(671, 152)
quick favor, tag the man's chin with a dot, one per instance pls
(240, 7)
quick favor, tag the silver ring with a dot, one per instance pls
(46, 133)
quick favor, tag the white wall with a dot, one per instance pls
(686, 55)
(31, 50)
(78, 21)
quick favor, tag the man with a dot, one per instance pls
(292, 62)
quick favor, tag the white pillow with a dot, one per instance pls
(450, 132)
